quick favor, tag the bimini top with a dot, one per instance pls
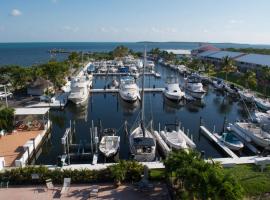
(31, 111)
(144, 141)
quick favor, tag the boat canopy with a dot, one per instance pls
(144, 141)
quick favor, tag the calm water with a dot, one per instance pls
(113, 112)
(27, 54)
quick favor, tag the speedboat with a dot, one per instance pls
(129, 91)
(254, 132)
(150, 64)
(174, 139)
(141, 141)
(172, 90)
(114, 84)
(109, 144)
(218, 84)
(194, 87)
(246, 95)
(262, 103)
(79, 90)
(91, 69)
(231, 141)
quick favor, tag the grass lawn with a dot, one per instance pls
(251, 178)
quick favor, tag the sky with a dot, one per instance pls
(237, 21)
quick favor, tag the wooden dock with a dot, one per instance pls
(211, 137)
(117, 90)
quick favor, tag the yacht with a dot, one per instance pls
(129, 91)
(172, 90)
(141, 141)
(79, 89)
(194, 87)
(231, 141)
(263, 104)
(109, 144)
(254, 132)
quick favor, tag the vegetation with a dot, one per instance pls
(6, 119)
(250, 50)
(192, 177)
(227, 66)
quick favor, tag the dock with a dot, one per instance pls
(117, 90)
(211, 137)
(123, 74)
(164, 147)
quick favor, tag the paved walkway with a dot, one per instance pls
(81, 192)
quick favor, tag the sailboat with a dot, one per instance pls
(142, 143)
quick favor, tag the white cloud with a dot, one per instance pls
(71, 29)
(15, 13)
(236, 21)
(164, 30)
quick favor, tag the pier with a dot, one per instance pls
(164, 147)
(211, 137)
(123, 74)
(117, 90)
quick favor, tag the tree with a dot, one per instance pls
(264, 74)
(209, 67)
(6, 119)
(194, 178)
(120, 51)
(250, 79)
(228, 65)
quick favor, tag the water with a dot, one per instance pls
(27, 54)
(113, 112)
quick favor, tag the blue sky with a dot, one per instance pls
(242, 21)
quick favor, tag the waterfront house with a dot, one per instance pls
(39, 87)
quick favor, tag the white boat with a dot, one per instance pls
(157, 75)
(109, 145)
(174, 139)
(129, 91)
(194, 87)
(218, 84)
(230, 88)
(262, 118)
(182, 69)
(79, 90)
(172, 90)
(114, 84)
(256, 133)
(231, 141)
(262, 103)
(150, 64)
(246, 95)
(141, 141)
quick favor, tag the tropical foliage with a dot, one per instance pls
(6, 119)
(250, 50)
(193, 178)
(228, 65)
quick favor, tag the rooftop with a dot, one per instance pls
(207, 53)
(31, 111)
(222, 54)
(259, 59)
(179, 51)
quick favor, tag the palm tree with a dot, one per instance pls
(6, 118)
(265, 77)
(209, 67)
(250, 79)
(228, 65)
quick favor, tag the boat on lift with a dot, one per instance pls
(174, 139)
(110, 143)
(129, 90)
(172, 90)
(141, 141)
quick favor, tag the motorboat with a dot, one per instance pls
(114, 84)
(150, 64)
(194, 87)
(254, 132)
(262, 118)
(246, 95)
(230, 88)
(230, 140)
(79, 89)
(141, 141)
(110, 143)
(129, 91)
(91, 69)
(174, 139)
(219, 84)
(172, 90)
(263, 104)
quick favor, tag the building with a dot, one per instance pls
(204, 48)
(39, 87)
(252, 61)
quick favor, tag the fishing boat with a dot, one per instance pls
(141, 141)
(172, 90)
(129, 91)
(254, 132)
(231, 141)
(194, 87)
(174, 139)
(79, 89)
(109, 144)
(263, 104)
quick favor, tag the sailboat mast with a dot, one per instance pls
(142, 97)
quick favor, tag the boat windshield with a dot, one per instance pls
(127, 80)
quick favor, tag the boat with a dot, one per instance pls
(141, 141)
(231, 141)
(91, 69)
(230, 88)
(172, 90)
(218, 84)
(150, 64)
(246, 95)
(263, 104)
(262, 118)
(129, 91)
(174, 139)
(79, 89)
(110, 143)
(114, 84)
(194, 87)
(254, 132)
